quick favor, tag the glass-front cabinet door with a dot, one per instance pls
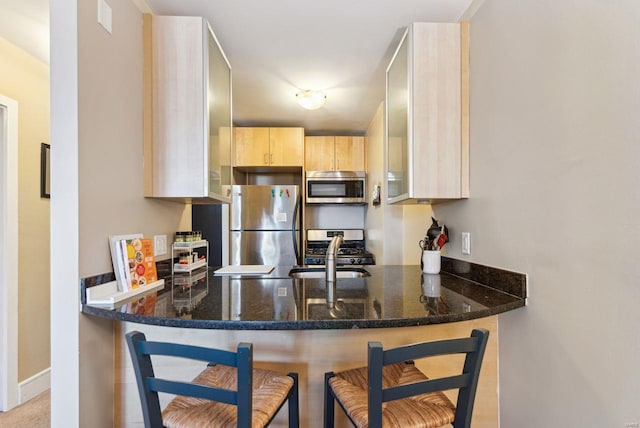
(397, 115)
(220, 127)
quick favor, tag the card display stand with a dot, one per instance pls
(108, 295)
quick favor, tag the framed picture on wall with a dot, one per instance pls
(45, 190)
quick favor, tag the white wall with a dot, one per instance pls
(96, 129)
(555, 193)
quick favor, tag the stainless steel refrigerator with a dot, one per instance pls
(265, 225)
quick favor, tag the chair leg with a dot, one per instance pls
(329, 402)
(294, 415)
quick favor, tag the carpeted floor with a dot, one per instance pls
(35, 413)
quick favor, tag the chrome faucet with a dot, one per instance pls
(331, 259)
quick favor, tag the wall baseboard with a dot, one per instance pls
(34, 386)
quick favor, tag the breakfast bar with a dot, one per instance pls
(293, 328)
(389, 296)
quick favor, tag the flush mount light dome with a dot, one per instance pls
(311, 100)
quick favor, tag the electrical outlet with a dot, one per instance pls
(466, 243)
(159, 245)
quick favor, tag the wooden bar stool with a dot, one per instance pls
(228, 392)
(392, 392)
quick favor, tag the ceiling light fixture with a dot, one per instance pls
(311, 100)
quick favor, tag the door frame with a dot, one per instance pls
(8, 253)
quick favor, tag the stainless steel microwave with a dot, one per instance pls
(336, 187)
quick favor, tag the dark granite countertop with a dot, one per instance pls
(393, 296)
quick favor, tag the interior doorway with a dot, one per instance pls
(8, 253)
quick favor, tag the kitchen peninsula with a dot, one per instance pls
(392, 296)
(292, 328)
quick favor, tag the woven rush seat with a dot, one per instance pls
(429, 410)
(391, 392)
(270, 390)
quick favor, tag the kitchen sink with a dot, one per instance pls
(321, 273)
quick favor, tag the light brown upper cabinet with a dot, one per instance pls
(268, 147)
(251, 146)
(332, 153)
(427, 115)
(187, 111)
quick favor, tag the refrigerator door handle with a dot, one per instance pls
(296, 208)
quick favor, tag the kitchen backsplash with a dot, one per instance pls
(335, 217)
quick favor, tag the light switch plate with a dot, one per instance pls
(104, 15)
(466, 243)
(159, 245)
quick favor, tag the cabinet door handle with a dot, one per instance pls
(332, 168)
(271, 158)
(266, 159)
(337, 164)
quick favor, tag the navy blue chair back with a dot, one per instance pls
(466, 382)
(149, 385)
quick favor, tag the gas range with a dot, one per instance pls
(351, 252)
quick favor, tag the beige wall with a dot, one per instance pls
(97, 181)
(393, 231)
(555, 150)
(110, 134)
(110, 173)
(26, 80)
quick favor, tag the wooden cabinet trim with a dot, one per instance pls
(464, 109)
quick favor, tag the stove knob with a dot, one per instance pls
(352, 261)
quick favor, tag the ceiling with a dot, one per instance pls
(25, 23)
(278, 47)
